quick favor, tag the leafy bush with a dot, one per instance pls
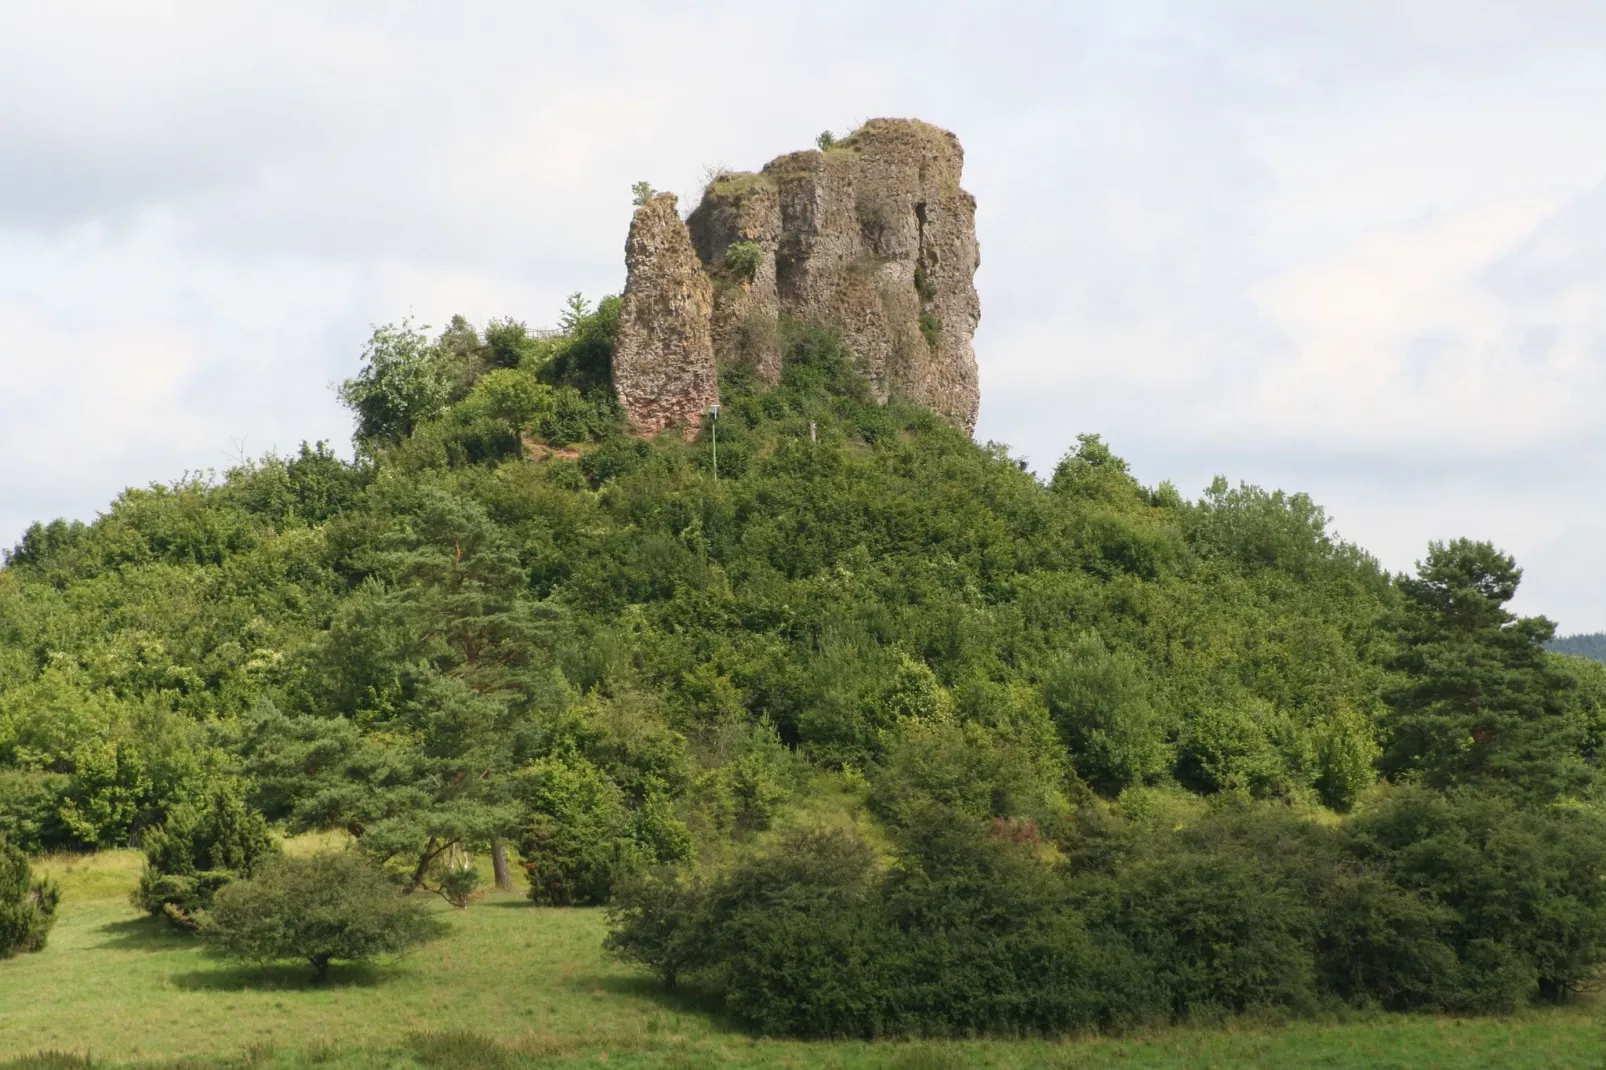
(490, 421)
(199, 849)
(27, 906)
(583, 837)
(983, 938)
(618, 456)
(43, 542)
(656, 920)
(1230, 748)
(966, 767)
(755, 775)
(1217, 928)
(1346, 754)
(967, 932)
(577, 417)
(1521, 888)
(1100, 701)
(30, 805)
(816, 360)
(1385, 945)
(1419, 903)
(402, 382)
(320, 909)
(508, 343)
(743, 259)
(793, 938)
(488, 424)
(1588, 703)
(583, 357)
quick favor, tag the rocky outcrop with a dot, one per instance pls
(663, 358)
(872, 236)
(738, 211)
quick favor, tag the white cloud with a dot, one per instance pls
(1397, 339)
(1352, 249)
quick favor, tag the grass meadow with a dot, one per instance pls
(515, 985)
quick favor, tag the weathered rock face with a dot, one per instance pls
(663, 358)
(747, 306)
(874, 237)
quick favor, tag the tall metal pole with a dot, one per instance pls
(714, 430)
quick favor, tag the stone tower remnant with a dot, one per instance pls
(872, 236)
(663, 358)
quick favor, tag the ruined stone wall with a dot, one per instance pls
(873, 236)
(663, 357)
(746, 308)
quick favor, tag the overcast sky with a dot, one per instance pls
(1352, 248)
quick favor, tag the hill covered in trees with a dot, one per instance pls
(1048, 754)
(1592, 646)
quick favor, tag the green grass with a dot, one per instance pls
(516, 986)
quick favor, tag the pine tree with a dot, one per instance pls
(199, 848)
(424, 782)
(1480, 703)
(27, 906)
(463, 597)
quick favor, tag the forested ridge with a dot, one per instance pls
(1591, 645)
(869, 731)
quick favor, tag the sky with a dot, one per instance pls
(1353, 249)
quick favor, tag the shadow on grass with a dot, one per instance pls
(145, 934)
(279, 978)
(521, 903)
(685, 998)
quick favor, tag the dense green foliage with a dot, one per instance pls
(27, 906)
(1481, 704)
(322, 908)
(517, 985)
(1117, 745)
(1419, 902)
(197, 850)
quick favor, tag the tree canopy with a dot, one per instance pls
(1482, 704)
(507, 622)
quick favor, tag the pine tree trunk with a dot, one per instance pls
(419, 871)
(504, 882)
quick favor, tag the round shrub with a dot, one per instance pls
(320, 909)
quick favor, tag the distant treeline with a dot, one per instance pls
(1592, 646)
